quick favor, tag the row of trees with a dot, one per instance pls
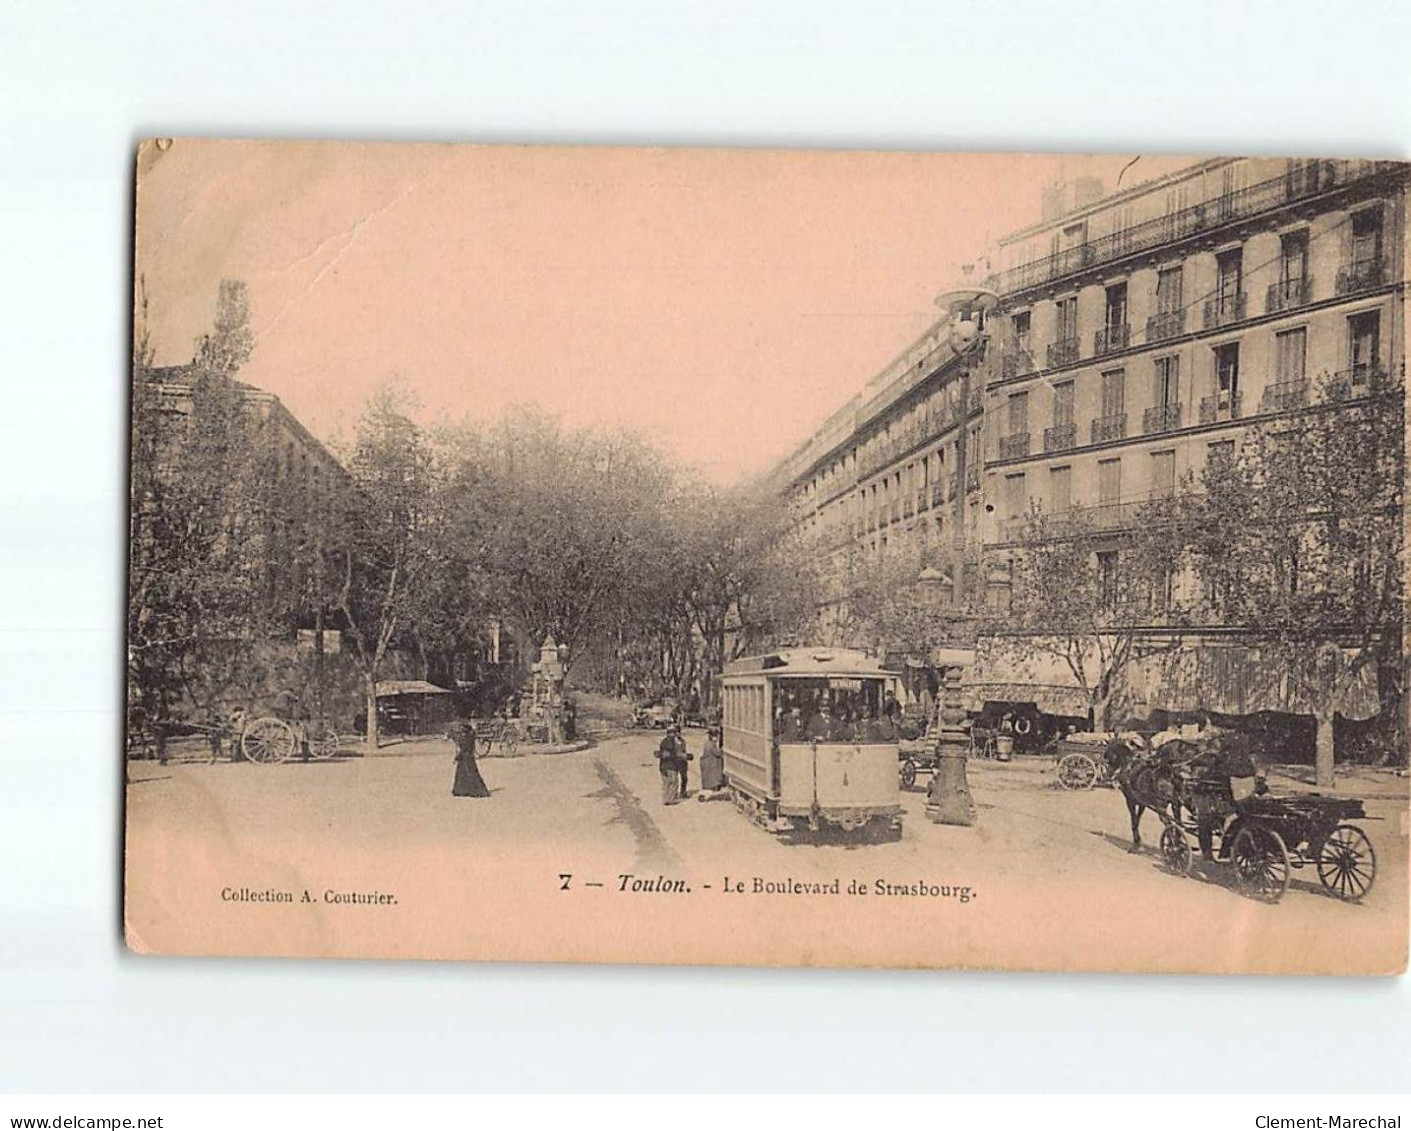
(652, 579)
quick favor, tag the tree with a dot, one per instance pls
(1298, 540)
(1083, 595)
(200, 503)
(386, 548)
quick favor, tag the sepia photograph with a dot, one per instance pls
(767, 557)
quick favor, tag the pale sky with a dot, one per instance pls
(722, 302)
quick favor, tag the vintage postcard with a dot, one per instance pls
(768, 558)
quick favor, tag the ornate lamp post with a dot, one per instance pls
(948, 800)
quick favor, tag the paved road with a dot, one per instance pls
(1033, 842)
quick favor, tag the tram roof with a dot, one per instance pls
(846, 662)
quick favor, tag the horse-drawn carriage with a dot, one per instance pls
(1262, 837)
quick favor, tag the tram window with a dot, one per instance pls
(831, 709)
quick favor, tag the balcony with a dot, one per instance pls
(1349, 384)
(1284, 396)
(1265, 196)
(1015, 363)
(1161, 418)
(1222, 406)
(1224, 309)
(1060, 437)
(1361, 275)
(1105, 428)
(1112, 339)
(1168, 324)
(1063, 352)
(1014, 446)
(1288, 294)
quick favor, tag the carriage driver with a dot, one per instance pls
(1226, 766)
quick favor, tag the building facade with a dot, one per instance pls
(1136, 335)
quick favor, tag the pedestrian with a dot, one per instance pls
(672, 757)
(468, 781)
(712, 762)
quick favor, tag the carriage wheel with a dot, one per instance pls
(1261, 863)
(1077, 771)
(908, 774)
(1346, 863)
(323, 742)
(267, 741)
(1176, 850)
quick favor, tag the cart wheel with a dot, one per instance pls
(323, 742)
(1176, 850)
(908, 774)
(1261, 863)
(1077, 771)
(1346, 863)
(509, 742)
(267, 741)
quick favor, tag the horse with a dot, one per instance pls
(1147, 778)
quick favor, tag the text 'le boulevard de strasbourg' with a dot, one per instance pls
(1124, 524)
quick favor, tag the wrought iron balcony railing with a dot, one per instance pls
(1062, 352)
(1284, 396)
(1161, 418)
(1347, 384)
(1224, 309)
(1015, 363)
(1221, 406)
(1014, 446)
(1288, 294)
(1060, 437)
(1112, 339)
(1167, 324)
(1311, 180)
(1361, 275)
(1106, 428)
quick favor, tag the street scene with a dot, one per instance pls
(1071, 637)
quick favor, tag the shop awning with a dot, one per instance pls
(1025, 670)
(389, 687)
(1242, 679)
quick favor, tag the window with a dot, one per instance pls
(1060, 489)
(1020, 322)
(1168, 290)
(1116, 316)
(1113, 393)
(1166, 389)
(1229, 271)
(1109, 481)
(1293, 263)
(1067, 318)
(1018, 413)
(1366, 238)
(1163, 474)
(1363, 344)
(1227, 374)
(1107, 578)
(1014, 499)
(1290, 356)
(1063, 404)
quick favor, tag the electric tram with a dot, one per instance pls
(808, 741)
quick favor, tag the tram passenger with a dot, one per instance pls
(821, 726)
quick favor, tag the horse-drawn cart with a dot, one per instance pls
(1269, 837)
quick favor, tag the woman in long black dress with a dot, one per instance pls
(468, 781)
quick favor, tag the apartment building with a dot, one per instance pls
(900, 464)
(1141, 333)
